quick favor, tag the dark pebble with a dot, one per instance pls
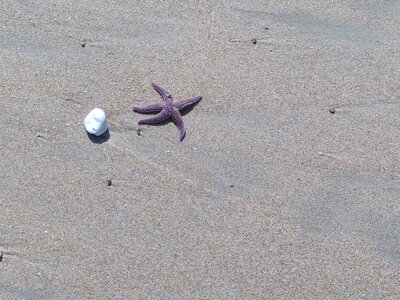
(109, 182)
(83, 45)
(139, 132)
(254, 41)
(332, 109)
(1, 255)
(231, 185)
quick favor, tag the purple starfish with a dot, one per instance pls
(169, 109)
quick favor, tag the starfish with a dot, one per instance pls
(168, 109)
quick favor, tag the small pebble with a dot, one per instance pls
(231, 185)
(254, 41)
(83, 45)
(332, 109)
(1, 255)
(139, 132)
(109, 182)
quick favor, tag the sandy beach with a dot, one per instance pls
(286, 185)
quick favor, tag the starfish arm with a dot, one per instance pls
(163, 115)
(148, 108)
(187, 102)
(177, 118)
(162, 91)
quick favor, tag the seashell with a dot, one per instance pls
(96, 122)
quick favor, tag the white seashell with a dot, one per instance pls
(96, 122)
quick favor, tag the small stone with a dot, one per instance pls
(332, 109)
(139, 132)
(1, 255)
(96, 122)
(83, 45)
(254, 41)
(109, 182)
(39, 135)
(266, 28)
(231, 185)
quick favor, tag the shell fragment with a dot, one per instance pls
(96, 122)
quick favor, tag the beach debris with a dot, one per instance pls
(96, 122)
(254, 41)
(109, 182)
(332, 109)
(168, 109)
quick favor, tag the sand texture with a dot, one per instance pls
(269, 196)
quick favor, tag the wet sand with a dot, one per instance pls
(270, 195)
